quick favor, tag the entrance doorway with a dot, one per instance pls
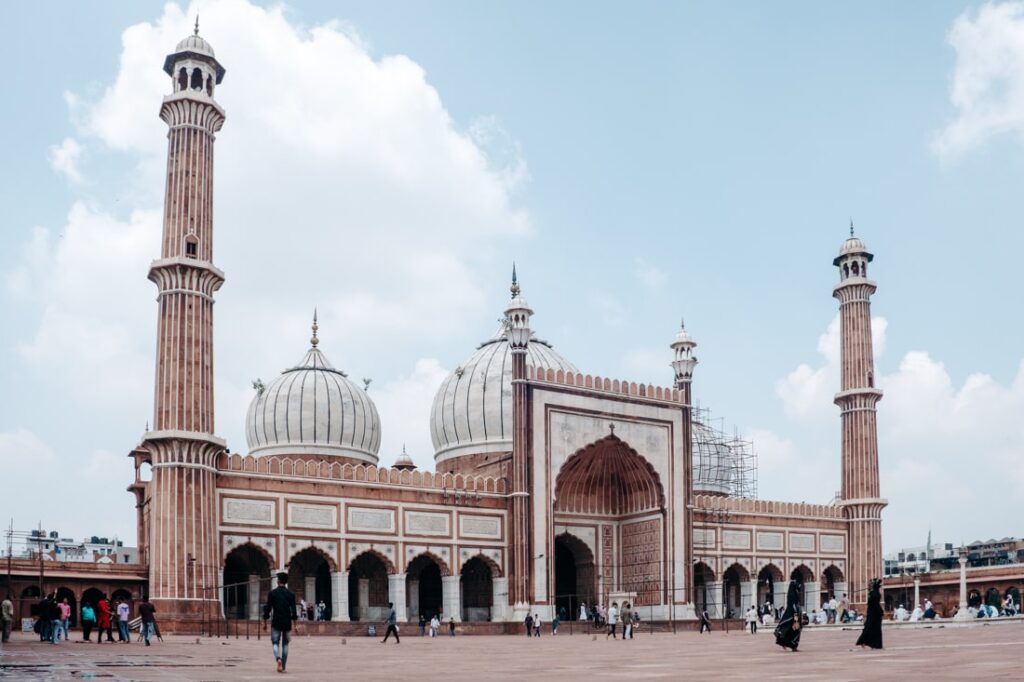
(574, 575)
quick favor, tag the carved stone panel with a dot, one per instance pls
(703, 537)
(833, 544)
(769, 541)
(736, 539)
(313, 515)
(801, 542)
(371, 520)
(257, 512)
(480, 527)
(426, 523)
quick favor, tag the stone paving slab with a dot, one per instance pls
(981, 652)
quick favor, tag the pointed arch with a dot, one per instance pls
(249, 544)
(331, 563)
(388, 565)
(608, 476)
(491, 563)
(441, 563)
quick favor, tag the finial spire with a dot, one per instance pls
(682, 323)
(851, 227)
(314, 341)
(196, 32)
(515, 282)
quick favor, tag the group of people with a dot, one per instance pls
(600, 617)
(434, 625)
(53, 620)
(793, 620)
(311, 611)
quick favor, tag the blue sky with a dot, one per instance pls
(643, 161)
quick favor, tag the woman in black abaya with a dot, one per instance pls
(871, 635)
(787, 632)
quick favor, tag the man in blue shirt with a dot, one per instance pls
(392, 625)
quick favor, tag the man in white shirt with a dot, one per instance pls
(833, 606)
(613, 614)
(901, 613)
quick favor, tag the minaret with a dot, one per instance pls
(517, 330)
(683, 364)
(859, 495)
(183, 558)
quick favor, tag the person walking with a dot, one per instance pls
(88, 621)
(123, 610)
(705, 622)
(583, 611)
(435, 625)
(787, 632)
(627, 622)
(529, 625)
(556, 621)
(423, 625)
(103, 621)
(871, 635)
(65, 616)
(147, 612)
(6, 618)
(451, 626)
(281, 612)
(55, 613)
(392, 625)
(844, 609)
(752, 620)
(612, 620)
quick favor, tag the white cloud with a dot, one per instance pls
(937, 441)
(988, 82)
(649, 274)
(404, 406)
(342, 182)
(64, 158)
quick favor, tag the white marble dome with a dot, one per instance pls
(195, 43)
(313, 409)
(472, 411)
(852, 245)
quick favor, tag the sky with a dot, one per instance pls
(386, 162)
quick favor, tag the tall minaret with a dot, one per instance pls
(184, 566)
(683, 363)
(860, 496)
(517, 330)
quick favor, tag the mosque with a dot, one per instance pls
(552, 487)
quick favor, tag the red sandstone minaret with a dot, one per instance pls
(517, 329)
(183, 565)
(857, 397)
(683, 363)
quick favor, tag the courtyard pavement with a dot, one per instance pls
(945, 653)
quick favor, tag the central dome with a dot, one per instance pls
(313, 409)
(472, 411)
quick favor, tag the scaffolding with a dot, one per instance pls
(723, 464)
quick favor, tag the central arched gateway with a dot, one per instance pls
(610, 528)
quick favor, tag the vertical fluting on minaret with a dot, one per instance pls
(184, 567)
(860, 494)
(683, 363)
(517, 330)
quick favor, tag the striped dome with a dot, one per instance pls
(313, 409)
(472, 411)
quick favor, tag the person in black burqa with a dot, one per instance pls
(281, 612)
(787, 632)
(871, 635)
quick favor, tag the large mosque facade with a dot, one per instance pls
(552, 487)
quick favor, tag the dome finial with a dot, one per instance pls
(851, 226)
(196, 32)
(515, 283)
(314, 341)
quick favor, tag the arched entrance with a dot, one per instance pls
(66, 593)
(771, 588)
(367, 587)
(830, 577)
(608, 486)
(735, 582)
(246, 582)
(805, 588)
(575, 577)
(476, 581)
(423, 587)
(703, 598)
(309, 577)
